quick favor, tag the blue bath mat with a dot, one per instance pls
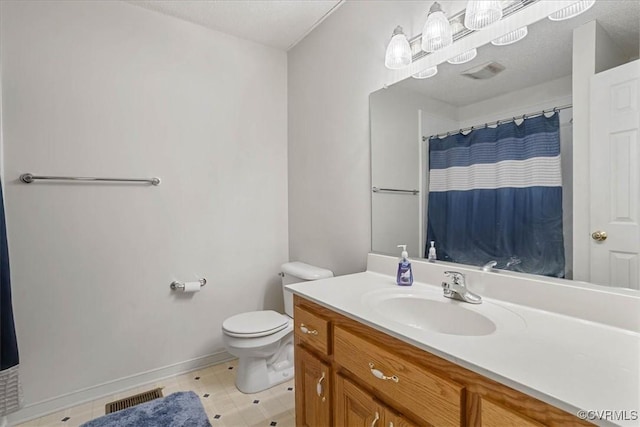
(182, 409)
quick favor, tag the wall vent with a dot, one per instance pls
(484, 71)
(130, 401)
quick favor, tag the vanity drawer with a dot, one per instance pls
(312, 329)
(433, 399)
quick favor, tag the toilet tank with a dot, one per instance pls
(296, 272)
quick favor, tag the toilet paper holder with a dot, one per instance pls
(180, 285)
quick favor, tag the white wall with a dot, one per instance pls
(110, 89)
(526, 100)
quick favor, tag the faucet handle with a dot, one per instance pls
(457, 277)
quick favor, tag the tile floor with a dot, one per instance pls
(225, 405)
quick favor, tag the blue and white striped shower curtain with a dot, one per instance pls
(496, 194)
(10, 392)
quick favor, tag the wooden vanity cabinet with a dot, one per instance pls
(349, 374)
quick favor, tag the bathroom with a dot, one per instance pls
(262, 145)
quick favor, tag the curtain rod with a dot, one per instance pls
(498, 122)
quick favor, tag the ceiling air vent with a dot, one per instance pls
(484, 71)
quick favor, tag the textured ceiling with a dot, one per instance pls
(544, 55)
(276, 23)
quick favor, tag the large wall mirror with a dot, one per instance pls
(554, 193)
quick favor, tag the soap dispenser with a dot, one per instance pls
(432, 257)
(405, 275)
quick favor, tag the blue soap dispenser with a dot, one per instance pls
(405, 275)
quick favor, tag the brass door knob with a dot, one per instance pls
(600, 236)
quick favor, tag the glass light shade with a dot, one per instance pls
(425, 74)
(398, 53)
(572, 11)
(436, 32)
(482, 13)
(511, 37)
(463, 57)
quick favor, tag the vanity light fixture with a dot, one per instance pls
(511, 37)
(425, 74)
(572, 11)
(482, 13)
(436, 32)
(398, 53)
(463, 57)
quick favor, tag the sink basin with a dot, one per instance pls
(430, 311)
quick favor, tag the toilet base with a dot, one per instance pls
(255, 374)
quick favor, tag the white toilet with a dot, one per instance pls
(263, 340)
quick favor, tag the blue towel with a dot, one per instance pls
(182, 409)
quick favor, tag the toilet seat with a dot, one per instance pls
(255, 324)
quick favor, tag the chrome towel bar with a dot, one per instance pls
(28, 178)
(393, 190)
(180, 285)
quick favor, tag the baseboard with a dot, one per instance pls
(48, 406)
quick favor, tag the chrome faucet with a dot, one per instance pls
(458, 290)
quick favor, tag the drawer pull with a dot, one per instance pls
(378, 374)
(375, 420)
(319, 387)
(308, 331)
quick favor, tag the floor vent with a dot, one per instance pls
(130, 401)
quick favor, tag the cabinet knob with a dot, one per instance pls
(380, 375)
(308, 331)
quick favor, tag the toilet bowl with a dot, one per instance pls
(263, 340)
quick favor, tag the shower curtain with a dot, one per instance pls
(10, 391)
(495, 194)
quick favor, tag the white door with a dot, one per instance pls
(615, 187)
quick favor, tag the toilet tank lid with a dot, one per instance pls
(305, 271)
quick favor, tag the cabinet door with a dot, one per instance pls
(313, 387)
(355, 407)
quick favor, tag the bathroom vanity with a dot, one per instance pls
(370, 353)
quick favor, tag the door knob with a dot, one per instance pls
(599, 235)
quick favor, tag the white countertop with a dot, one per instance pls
(571, 363)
